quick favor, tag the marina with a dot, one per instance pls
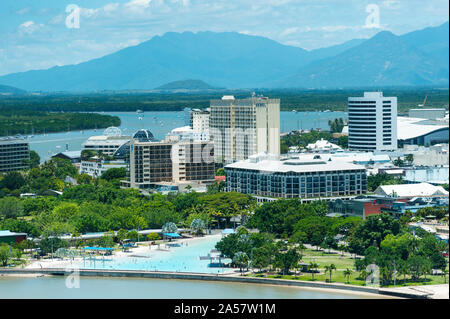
(161, 123)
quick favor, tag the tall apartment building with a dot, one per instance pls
(200, 120)
(244, 127)
(372, 122)
(152, 164)
(13, 153)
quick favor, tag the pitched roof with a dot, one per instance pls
(411, 190)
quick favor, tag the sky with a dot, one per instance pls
(39, 34)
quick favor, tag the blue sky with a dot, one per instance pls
(34, 34)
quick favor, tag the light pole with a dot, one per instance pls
(251, 258)
(394, 273)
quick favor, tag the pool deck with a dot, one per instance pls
(417, 292)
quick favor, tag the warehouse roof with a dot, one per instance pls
(411, 190)
(410, 127)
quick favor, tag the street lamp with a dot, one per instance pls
(251, 258)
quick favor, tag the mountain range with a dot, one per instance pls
(234, 60)
(9, 90)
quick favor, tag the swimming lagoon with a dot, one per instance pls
(182, 258)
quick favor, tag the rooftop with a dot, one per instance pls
(6, 233)
(269, 164)
(412, 190)
(410, 127)
(70, 154)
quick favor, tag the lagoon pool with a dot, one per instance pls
(177, 259)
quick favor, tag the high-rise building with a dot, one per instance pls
(152, 164)
(244, 127)
(372, 122)
(200, 120)
(14, 153)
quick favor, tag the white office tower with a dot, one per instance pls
(372, 122)
(244, 127)
(200, 120)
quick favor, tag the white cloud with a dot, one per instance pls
(391, 4)
(28, 27)
(138, 4)
(289, 31)
(23, 11)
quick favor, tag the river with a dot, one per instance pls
(161, 123)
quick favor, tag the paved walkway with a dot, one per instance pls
(428, 291)
(333, 251)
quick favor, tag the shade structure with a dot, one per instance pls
(228, 231)
(97, 248)
(172, 235)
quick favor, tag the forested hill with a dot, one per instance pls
(9, 90)
(300, 100)
(25, 122)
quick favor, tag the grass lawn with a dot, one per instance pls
(338, 277)
(323, 258)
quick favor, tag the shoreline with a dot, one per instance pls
(314, 286)
(143, 250)
(44, 268)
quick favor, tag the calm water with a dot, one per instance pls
(135, 288)
(177, 259)
(161, 123)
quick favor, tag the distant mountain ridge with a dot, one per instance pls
(186, 85)
(9, 90)
(235, 60)
(383, 60)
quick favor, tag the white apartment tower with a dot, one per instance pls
(372, 122)
(243, 127)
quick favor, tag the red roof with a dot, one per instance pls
(220, 178)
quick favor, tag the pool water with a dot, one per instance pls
(177, 259)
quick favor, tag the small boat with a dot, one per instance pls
(294, 111)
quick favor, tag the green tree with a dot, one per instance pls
(34, 160)
(241, 260)
(347, 273)
(12, 181)
(10, 207)
(288, 260)
(84, 179)
(197, 226)
(342, 141)
(114, 173)
(261, 257)
(169, 228)
(153, 237)
(329, 269)
(5, 253)
(313, 267)
(52, 244)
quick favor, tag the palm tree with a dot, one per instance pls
(347, 273)
(329, 269)
(313, 266)
(241, 259)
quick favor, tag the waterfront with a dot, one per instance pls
(12, 287)
(161, 123)
(182, 256)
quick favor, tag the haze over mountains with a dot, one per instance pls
(234, 60)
